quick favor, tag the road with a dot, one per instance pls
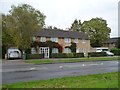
(28, 72)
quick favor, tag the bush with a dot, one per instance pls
(58, 55)
(34, 56)
(28, 51)
(115, 51)
(78, 55)
(67, 55)
(97, 54)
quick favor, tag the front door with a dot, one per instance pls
(44, 51)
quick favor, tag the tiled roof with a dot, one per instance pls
(112, 40)
(62, 34)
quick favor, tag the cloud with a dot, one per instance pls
(61, 13)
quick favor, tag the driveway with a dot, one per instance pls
(27, 72)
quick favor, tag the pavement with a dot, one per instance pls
(19, 71)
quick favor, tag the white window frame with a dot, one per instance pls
(33, 51)
(55, 50)
(83, 41)
(54, 39)
(78, 50)
(76, 40)
(43, 39)
(67, 50)
(67, 40)
(84, 50)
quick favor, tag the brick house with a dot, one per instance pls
(111, 43)
(64, 38)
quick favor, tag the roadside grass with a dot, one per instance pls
(65, 60)
(106, 80)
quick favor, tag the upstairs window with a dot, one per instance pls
(54, 39)
(43, 39)
(67, 40)
(83, 41)
(75, 40)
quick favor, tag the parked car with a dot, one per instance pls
(13, 53)
(109, 53)
(104, 49)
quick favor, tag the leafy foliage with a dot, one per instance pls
(22, 24)
(76, 25)
(97, 30)
(116, 51)
(73, 47)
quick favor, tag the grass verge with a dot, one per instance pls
(106, 80)
(50, 61)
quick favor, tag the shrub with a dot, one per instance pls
(78, 55)
(115, 51)
(67, 55)
(58, 55)
(34, 56)
(70, 55)
(97, 54)
(28, 51)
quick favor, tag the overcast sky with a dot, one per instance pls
(61, 13)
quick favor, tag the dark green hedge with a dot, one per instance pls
(97, 54)
(67, 55)
(115, 51)
(78, 55)
(34, 56)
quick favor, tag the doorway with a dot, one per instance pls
(44, 51)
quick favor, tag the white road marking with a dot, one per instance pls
(60, 66)
(32, 68)
(83, 65)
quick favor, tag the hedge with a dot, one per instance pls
(34, 56)
(115, 51)
(67, 55)
(97, 54)
(78, 55)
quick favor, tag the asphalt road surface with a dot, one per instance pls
(28, 72)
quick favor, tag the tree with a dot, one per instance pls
(76, 25)
(97, 30)
(73, 47)
(22, 24)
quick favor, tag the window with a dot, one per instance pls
(33, 51)
(67, 50)
(83, 50)
(55, 50)
(34, 38)
(83, 41)
(43, 39)
(67, 40)
(76, 40)
(78, 50)
(54, 39)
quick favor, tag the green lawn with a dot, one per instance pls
(48, 61)
(106, 80)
